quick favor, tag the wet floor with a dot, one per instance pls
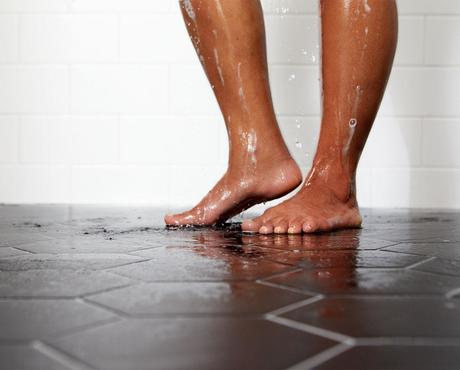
(110, 288)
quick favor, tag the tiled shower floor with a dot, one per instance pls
(110, 288)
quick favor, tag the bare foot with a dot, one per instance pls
(325, 202)
(240, 189)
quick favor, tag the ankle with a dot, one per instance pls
(332, 175)
(258, 157)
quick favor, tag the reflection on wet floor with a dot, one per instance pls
(111, 288)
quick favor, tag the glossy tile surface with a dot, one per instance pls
(212, 298)
(193, 343)
(24, 357)
(111, 288)
(396, 358)
(390, 316)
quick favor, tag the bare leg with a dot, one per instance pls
(358, 43)
(229, 38)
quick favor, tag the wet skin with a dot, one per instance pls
(229, 38)
(358, 45)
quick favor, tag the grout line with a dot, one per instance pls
(434, 296)
(424, 39)
(119, 145)
(208, 115)
(19, 55)
(89, 302)
(23, 250)
(421, 141)
(18, 138)
(321, 357)
(119, 38)
(407, 341)
(419, 263)
(32, 298)
(185, 63)
(311, 329)
(296, 305)
(452, 293)
(289, 269)
(89, 326)
(271, 13)
(284, 287)
(89, 295)
(402, 252)
(20, 160)
(108, 269)
(70, 124)
(60, 357)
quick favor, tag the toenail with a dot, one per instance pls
(291, 230)
(263, 229)
(277, 229)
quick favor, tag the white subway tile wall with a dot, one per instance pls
(104, 101)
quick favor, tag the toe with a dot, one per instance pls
(295, 227)
(281, 226)
(266, 228)
(183, 219)
(310, 225)
(173, 220)
(307, 227)
(169, 219)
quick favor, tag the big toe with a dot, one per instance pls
(171, 220)
(179, 219)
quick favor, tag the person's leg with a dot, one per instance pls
(229, 38)
(358, 45)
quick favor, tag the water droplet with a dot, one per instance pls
(367, 8)
(291, 77)
(353, 122)
(282, 10)
(313, 58)
(298, 144)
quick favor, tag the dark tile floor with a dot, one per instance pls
(110, 288)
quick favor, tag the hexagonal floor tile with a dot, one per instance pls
(383, 316)
(192, 343)
(395, 357)
(197, 298)
(368, 281)
(66, 261)
(57, 283)
(349, 258)
(441, 250)
(26, 358)
(203, 263)
(34, 319)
